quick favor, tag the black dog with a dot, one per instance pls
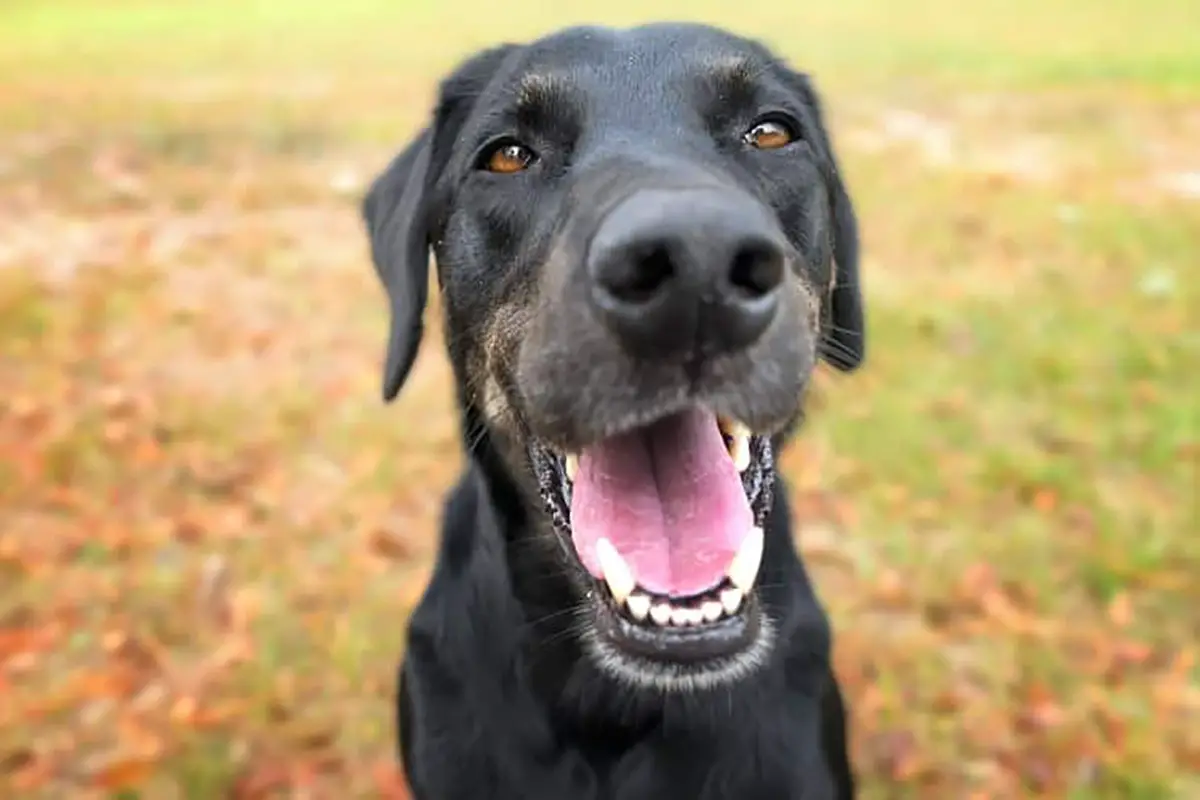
(643, 246)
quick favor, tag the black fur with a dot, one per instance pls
(499, 699)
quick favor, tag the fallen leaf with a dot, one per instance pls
(122, 772)
(1120, 610)
(389, 544)
(260, 781)
(389, 781)
(1045, 500)
(1040, 710)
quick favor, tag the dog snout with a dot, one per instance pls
(675, 272)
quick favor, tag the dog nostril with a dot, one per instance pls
(644, 274)
(757, 270)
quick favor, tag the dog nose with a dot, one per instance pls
(686, 271)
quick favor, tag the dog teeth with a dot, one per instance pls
(572, 466)
(643, 606)
(739, 441)
(743, 570)
(731, 600)
(684, 616)
(664, 613)
(616, 572)
(639, 606)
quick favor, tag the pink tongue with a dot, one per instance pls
(669, 499)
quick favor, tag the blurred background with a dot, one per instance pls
(211, 529)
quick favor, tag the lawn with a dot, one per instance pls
(211, 529)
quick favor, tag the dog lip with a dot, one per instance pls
(574, 438)
(682, 646)
(578, 440)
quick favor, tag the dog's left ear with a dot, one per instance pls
(398, 212)
(844, 344)
(396, 218)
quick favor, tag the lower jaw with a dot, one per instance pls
(691, 647)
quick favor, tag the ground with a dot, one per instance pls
(211, 528)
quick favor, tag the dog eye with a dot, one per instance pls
(769, 134)
(508, 157)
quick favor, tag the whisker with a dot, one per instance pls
(553, 615)
(847, 331)
(830, 347)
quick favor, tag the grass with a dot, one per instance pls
(210, 529)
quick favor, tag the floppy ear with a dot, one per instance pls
(395, 212)
(844, 345)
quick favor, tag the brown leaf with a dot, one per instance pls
(1045, 500)
(947, 701)
(898, 755)
(1041, 710)
(390, 782)
(890, 589)
(389, 544)
(997, 606)
(213, 594)
(33, 775)
(187, 530)
(92, 685)
(123, 772)
(1038, 771)
(15, 760)
(260, 780)
(23, 641)
(184, 710)
(1120, 610)
(1114, 729)
(976, 579)
(146, 452)
(206, 716)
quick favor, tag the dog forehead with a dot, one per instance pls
(631, 65)
(600, 44)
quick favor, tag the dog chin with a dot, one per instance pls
(662, 527)
(670, 676)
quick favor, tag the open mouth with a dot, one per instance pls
(665, 523)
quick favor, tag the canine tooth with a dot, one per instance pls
(744, 567)
(731, 599)
(639, 606)
(572, 466)
(694, 616)
(732, 427)
(617, 574)
(740, 452)
(680, 616)
(711, 610)
(738, 429)
(739, 441)
(661, 613)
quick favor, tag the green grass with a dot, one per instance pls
(211, 530)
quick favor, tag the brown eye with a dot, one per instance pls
(509, 158)
(769, 135)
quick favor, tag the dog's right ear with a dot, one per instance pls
(397, 212)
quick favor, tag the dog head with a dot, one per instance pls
(644, 246)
